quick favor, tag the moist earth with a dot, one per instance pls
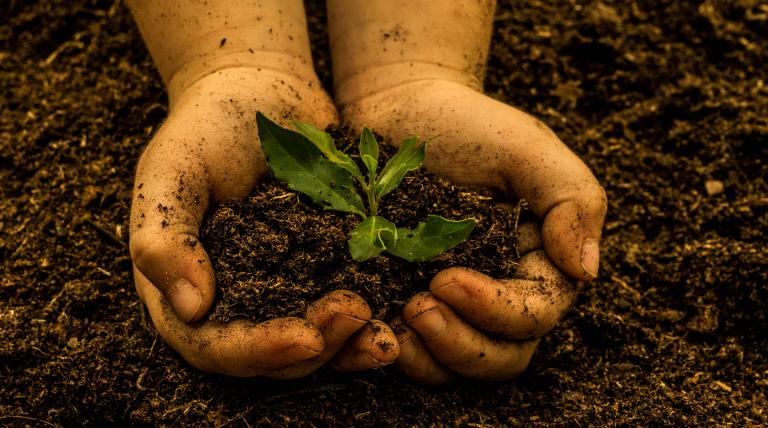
(275, 251)
(665, 100)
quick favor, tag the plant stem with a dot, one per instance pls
(372, 202)
(370, 192)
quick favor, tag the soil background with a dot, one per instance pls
(666, 100)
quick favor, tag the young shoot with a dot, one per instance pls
(309, 162)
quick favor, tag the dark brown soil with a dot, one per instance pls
(666, 100)
(275, 252)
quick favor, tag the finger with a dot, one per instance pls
(338, 315)
(529, 238)
(238, 348)
(528, 234)
(519, 309)
(171, 193)
(374, 346)
(571, 231)
(460, 347)
(561, 190)
(415, 360)
(164, 236)
(169, 199)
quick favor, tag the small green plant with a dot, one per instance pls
(309, 162)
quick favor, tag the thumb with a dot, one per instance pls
(562, 191)
(169, 201)
(572, 227)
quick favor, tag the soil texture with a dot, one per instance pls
(276, 251)
(667, 102)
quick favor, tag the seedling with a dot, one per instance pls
(309, 162)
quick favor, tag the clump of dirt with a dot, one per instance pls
(275, 251)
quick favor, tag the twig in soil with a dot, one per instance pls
(153, 107)
(109, 236)
(140, 379)
(42, 352)
(623, 284)
(76, 43)
(50, 304)
(521, 204)
(152, 348)
(27, 418)
(283, 196)
(104, 271)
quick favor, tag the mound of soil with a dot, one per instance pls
(665, 100)
(276, 251)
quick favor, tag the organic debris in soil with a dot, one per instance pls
(657, 97)
(275, 251)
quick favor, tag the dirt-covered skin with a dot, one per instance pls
(275, 251)
(426, 79)
(666, 101)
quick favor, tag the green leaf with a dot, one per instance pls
(430, 239)
(369, 153)
(372, 236)
(324, 142)
(409, 156)
(296, 161)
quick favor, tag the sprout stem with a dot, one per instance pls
(372, 202)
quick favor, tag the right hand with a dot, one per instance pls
(208, 148)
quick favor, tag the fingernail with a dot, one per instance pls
(590, 258)
(300, 353)
(429, 324)
(343, 325)
(452, 292)
(185, 300)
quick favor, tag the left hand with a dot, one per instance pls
(478, 327)
(469, 324)
(486, 143)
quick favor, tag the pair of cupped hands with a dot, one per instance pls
(465, 325)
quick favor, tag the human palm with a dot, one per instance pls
(208, 150)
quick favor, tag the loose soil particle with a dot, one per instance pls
(276, 251)
(658, 97)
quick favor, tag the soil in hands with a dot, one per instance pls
(275, 251)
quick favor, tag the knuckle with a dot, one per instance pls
(346, 301)
(592, 198)
(145, 248)
(339, 302)
(456, 275)
(138, 249)
(419, 304)
(601, 200)
(147, 245)
(444, 277)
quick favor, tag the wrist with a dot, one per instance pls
(373, 80)
(249, 66)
